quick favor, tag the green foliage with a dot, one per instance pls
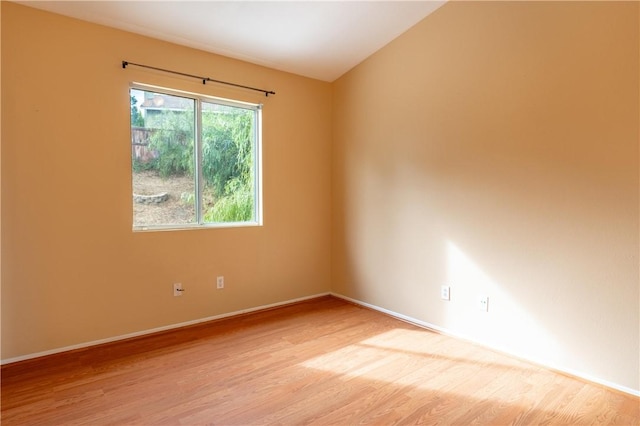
(143, 166)
(227, 154)
(226, 147)
(175, 151)
(228, 164)
(188, 198)
(218, 152)
(136, 118)
(236, 206)
(173, 143)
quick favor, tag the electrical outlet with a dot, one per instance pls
(177, 289)
(483, 303)
(220, 282)
(445, 292)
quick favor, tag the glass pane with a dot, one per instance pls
(162, 159)
(227, 163)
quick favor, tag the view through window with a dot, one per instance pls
(194, 160)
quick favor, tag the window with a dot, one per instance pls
(195, 160)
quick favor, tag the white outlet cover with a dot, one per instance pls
(445, 292)
(483, 303)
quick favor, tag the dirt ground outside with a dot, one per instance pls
(177, 209)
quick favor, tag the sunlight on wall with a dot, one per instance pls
(507, 325)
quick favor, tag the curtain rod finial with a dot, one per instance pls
(124, 64)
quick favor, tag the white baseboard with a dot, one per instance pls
(157, 330)
(447, 332)
(397, 315)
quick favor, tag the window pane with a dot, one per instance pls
(228, 155)
(162, 154)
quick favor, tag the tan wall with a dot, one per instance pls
(494, 147)
(73, 271)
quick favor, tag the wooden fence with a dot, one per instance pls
(140, 138)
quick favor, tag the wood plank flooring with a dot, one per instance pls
(324, 362)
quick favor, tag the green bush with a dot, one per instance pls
(172, 142)
(237, 206)
(142, 166)
(218, 158)
(227, 155)
(175, 152)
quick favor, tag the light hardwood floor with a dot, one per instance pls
(323, 362)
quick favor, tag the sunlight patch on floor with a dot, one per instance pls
(401, 357)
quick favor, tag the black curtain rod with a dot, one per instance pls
(204, 79)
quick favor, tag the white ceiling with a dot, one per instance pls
(318, 39)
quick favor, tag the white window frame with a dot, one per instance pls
(257, 160)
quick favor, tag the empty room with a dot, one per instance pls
(327, 213)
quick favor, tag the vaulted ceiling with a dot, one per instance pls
(317, 39)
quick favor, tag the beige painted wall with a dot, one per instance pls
(73, 271)
(494, 148)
